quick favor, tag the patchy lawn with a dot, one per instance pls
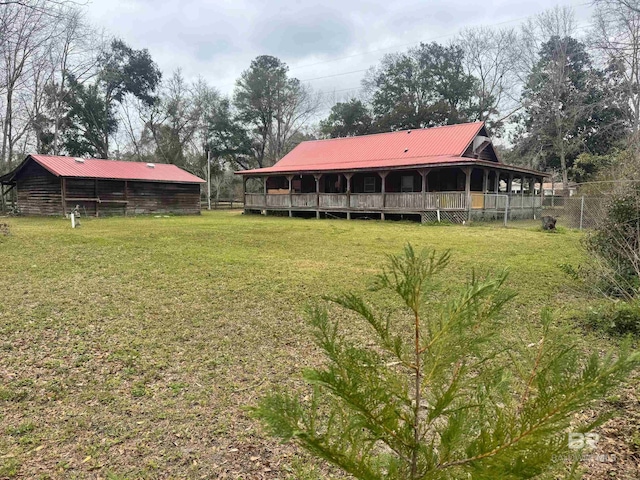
(129, 348)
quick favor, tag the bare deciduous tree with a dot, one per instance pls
(616, 36)
(490, 56)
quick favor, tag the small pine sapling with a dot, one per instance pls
(451, 399)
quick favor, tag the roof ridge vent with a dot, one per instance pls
(79, 159)
(151, 165)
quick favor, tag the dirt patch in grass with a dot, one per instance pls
(131, 348)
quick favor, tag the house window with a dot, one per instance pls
(406, 184)
(369, 184)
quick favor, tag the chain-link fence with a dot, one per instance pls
(578, 211)
(588, 207)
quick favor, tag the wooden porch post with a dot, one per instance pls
(264, 189)
(95, 188)
(424, 174)
(63, 191)
(532, 194)
(467, 190)
(289, 178)
(383, 176)
(485, 181)
(509, 183)
(496, 187)
(126, 197)
(317, 177)
(348, 177)
(244, 192)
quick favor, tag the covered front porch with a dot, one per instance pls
(470, 190)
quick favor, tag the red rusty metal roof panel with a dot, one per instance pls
(363, 165)
(114, 169)
(406, 147)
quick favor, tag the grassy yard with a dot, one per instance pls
(130, 348)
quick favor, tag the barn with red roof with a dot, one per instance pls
(452, 171)
(55, 185)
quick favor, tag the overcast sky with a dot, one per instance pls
(218, 39)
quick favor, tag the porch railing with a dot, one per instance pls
(333, 200)
(412, 201)
(361, 201)
(305, 200)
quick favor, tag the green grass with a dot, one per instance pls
(130, 348)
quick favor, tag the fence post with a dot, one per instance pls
(581, 210)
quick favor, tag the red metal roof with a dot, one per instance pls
(424, 146)
(114, 169)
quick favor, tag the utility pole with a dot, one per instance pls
(208, 179)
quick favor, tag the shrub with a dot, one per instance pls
(614, 246)
(437, 393)
(616, 318)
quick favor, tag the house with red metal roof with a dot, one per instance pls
(55, 185)
(451, 171)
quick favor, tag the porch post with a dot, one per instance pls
(264, 188)
(496, 187)
(289, 178)
(509, 183)
(244, 192)
(467, 190)
(532, 195)
(424, 174)
(317, 178)
(63, 191)
(95, 186)
(485, 188)
(541, 194)
(348, 177)
(383, 176)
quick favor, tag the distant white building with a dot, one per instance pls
(557, 189)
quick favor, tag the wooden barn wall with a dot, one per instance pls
(149, 197)
(39, 192)
(81, 188)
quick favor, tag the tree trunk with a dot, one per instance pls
(565, 177)
(6, 128)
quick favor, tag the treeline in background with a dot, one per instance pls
(556, 96)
